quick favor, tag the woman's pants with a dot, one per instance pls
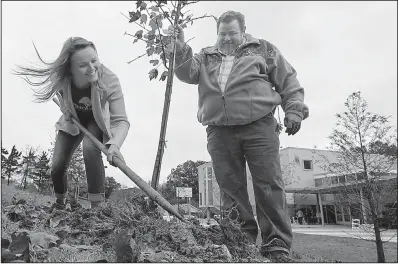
(65, 146)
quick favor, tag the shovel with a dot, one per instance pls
(152, 193)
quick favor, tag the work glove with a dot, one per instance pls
(292, 123)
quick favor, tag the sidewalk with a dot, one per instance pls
(343, 231)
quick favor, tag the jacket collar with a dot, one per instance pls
(250, 40)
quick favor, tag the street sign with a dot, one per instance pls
(184, 192)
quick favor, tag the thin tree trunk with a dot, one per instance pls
(372, 203)
(379, 243)
(166, 107)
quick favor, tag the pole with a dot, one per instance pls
(317, 209)
(363, 206)
(221, 209)
(128, 172)
(189, 206)
(321, 207)
(178, 200)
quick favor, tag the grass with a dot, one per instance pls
(318, 248)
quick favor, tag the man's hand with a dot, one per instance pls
(178, 31)
(292, 123)
(113, 150)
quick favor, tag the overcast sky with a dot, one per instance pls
(336, 47)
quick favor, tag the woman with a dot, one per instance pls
(91, 93)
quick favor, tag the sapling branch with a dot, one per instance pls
(137, 58)
(189, 3)
(168, 18)
(174, 5)
(161, 44)
(135, 22)
(125, 33)
(204, 16)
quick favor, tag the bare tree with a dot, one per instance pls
(76, 171)
(152, 17)
(365, 178)
(11, 163)
(41, 176)
(29, 164)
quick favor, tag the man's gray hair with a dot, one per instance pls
(230, 16)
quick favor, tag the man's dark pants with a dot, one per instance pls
(258, 144)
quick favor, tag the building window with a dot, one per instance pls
(361, 176)
(327, 181)
(334, 180)
(318, 182)
(209, 173)
(307, 164)
(351, 177)
(347, 213)
(342, 179)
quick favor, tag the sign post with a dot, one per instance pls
(185, 192)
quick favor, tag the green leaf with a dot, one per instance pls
(153, 74)
(144, 18)
(150, 51)
(158, 49)
(158, 38)
(154, 8)
(150, 43)
(142, 6)
(166, 40)
(152, 15)
(138, 34)
(166, 14)
(135, 40)
(151, 35)
(153, 24)
(134, 16)
(164, 75)
(163, 57)
(156, 22)
(138, 3)
(154, 62)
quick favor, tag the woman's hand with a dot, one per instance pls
(113, 150)
(68, 115)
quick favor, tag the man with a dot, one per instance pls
(237, 102)
(300, 216)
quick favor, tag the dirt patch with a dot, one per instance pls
(121, 231)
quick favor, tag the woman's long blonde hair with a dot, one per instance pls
(51, 75)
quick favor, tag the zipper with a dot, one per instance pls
(229, 77)
(225, 108)
(223, 92)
